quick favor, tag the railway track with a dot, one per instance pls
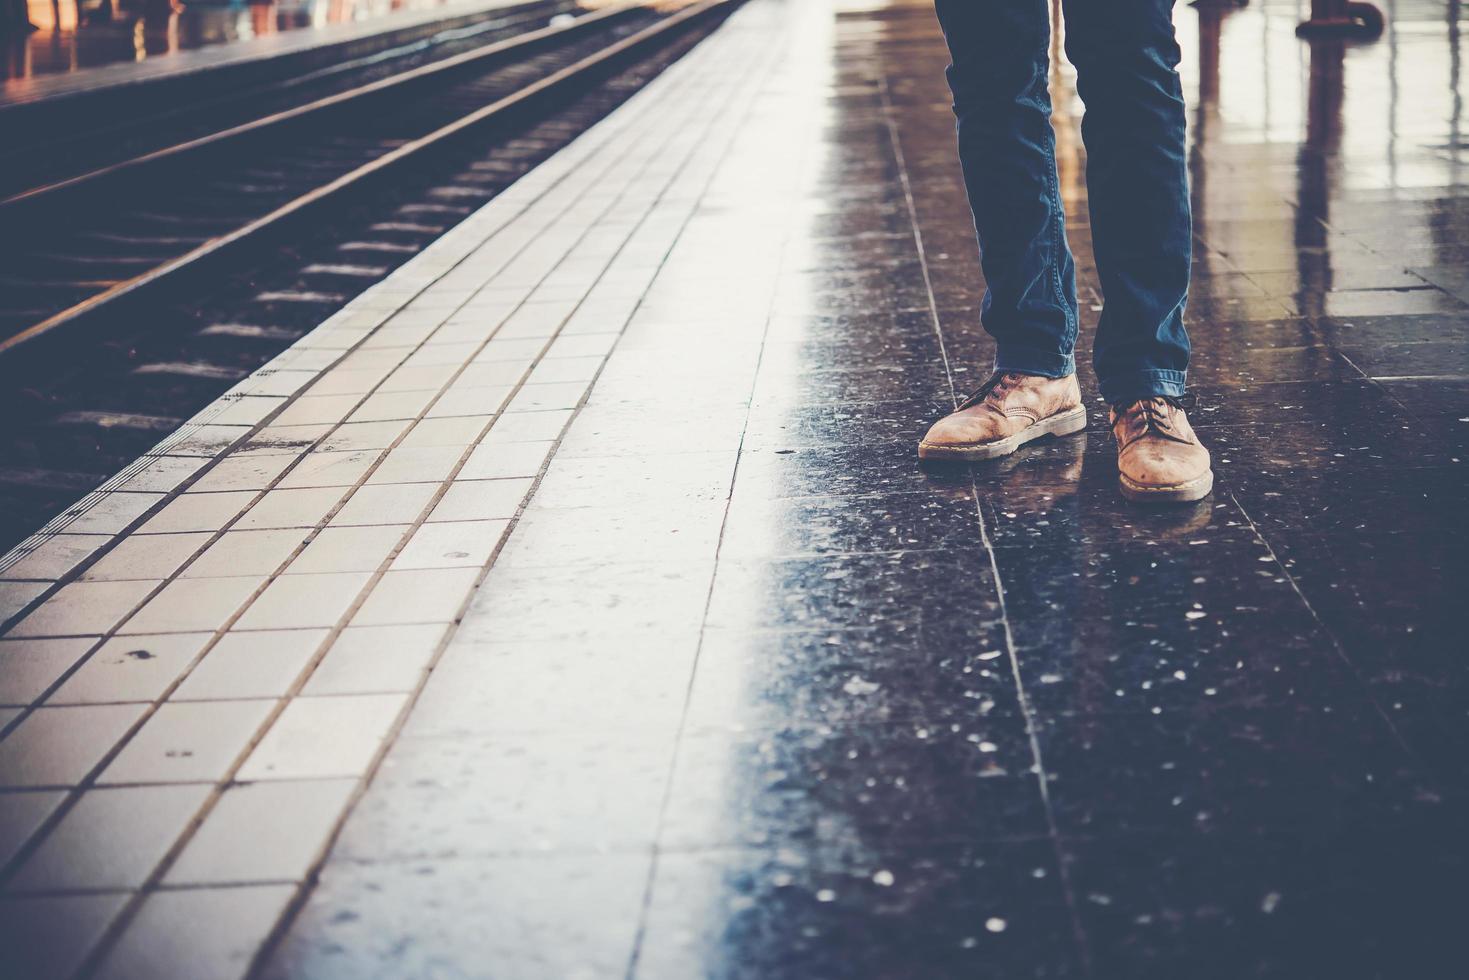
(48, 141)
(144, 288)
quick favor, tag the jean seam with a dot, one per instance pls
(1056, 239)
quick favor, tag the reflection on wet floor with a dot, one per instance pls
(71, 35)
(749, 693)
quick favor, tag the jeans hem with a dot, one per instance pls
(1036, 362)
(1143, 384)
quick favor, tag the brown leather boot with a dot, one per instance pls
(1007, 412)
(1159, 459)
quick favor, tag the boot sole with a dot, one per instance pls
(1064, 423)
(1178, 493)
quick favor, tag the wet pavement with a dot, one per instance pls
(743, 691)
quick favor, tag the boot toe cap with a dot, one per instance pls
(1164, 468)
(957, 431)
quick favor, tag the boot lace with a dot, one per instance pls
(998, 382)
(1155, 414)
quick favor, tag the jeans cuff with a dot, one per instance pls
(1142, 384)
(1026, 360)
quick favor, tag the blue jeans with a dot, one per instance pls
(1137, 185)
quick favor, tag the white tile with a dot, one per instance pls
(376, 659)
(595, 684)
(432, 354)
(193, 605)
(241, 473)
(396, 339)
(637, 481)
(608, 316)
(582, 345)
(146, 556)
(493, 374)
(318, 410)
(389, 503)
(82, 608)
(305, 507)
(258, 832)
(548, 397)
(324, 737)
(20, 815)
(246, 553)
(330, 469)
(59, 746)
(420, 596)
(15, 596)
(384, 405)
(466, 401)
(382, 356)
(199, 512)
(291, 441)
(536, 320)
(348, 381)
(529, 426)
(349, 549)
(451, 544)
(111, 839)
(251, 664)
(510, 350)
(188, 742)
(300, 601)
(427, 378)
(459, 431)
(199, 933)
(544, 603)
(113, 512)
(131, 668)
(271, 380)
(481, 500)
(163, 473)
(245, 410)
(28, 667)
(564, 369)
(498, 461)
(351, 436)
(589, 537)
(417, 464)
(55, 557)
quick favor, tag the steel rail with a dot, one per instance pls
(216, 251)
(395, 86)
(503, 19)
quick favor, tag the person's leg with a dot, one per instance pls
(1137, 185)
(1007, 151)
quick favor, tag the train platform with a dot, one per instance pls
(572, 604)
